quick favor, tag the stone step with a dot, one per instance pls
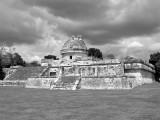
(67, 82)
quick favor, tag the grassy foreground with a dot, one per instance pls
(141, 103)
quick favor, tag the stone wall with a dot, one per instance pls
(13, 83)
(141, 76)
(144, 73)
(94, 70)
(146, 66)
(74, 55)
(116, 82)
(121, 82)
(44, 82)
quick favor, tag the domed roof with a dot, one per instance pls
(76, 42)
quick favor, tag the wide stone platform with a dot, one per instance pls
(78, 71)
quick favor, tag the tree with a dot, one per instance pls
(2, 73)
(17, 60)
(157, 69)
(33, 64)
(155, 60)
(110, 56)
(6, 60)
(51, 57)
(93, 52)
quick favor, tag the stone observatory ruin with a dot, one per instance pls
(78, 71)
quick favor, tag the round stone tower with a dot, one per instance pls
(73, 48)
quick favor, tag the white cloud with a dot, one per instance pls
(155, 47)
(135, 44)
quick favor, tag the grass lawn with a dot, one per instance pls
(141, 103)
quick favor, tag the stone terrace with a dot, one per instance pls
(24, 73)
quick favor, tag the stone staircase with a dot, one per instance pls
(9, 72)
(46, 71)
(67, 83)
(24, 73)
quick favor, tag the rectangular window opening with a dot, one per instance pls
(53, 74)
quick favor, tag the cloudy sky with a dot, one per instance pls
(121, 27)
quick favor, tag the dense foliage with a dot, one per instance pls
(51, 57)
(96, 53)
(17, 60)
(33, 64)
(155, 60)
(110, 56)
(2, 73)
(6, 60)
(9, 59)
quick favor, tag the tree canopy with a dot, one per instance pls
(51, 57)
(110, 56)
(17, 60)
(9, 59)
(2, 73)
(155, 60)
(6, 60)
(33, 64)
(94, 52)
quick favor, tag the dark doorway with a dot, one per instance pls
(70, 57)
(53, 74)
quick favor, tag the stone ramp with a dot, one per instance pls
(67, 83)
(24, 73)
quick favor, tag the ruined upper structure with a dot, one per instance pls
(73, 48)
